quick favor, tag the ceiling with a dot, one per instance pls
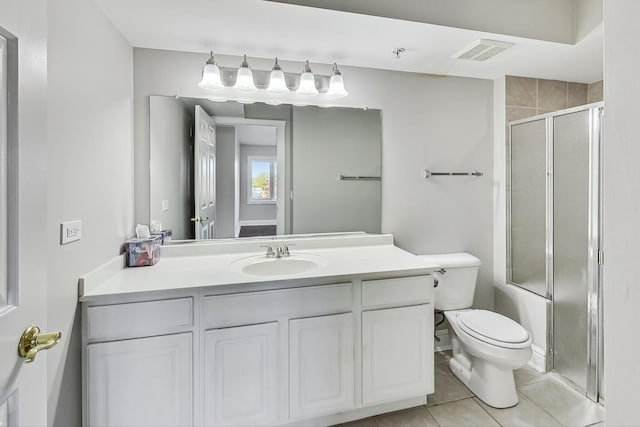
(294, 32)
(256, 135)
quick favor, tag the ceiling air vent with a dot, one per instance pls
(482, 49)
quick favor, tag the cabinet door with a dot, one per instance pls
(397, 353)
(321, 365)
(241, 372)
(141, 382)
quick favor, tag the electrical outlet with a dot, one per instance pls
(165, 205)
(70, 231)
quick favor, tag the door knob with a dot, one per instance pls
(200, 219)
(32, 341)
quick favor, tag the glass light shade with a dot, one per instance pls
(336, 87)
(277, 83)
(307, 84)
(273, 102)
(245, 101)
(211, 76)
(244, 79)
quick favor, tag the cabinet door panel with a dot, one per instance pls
(141, 382)
(241, 368)
(321, 365)
(397, 353)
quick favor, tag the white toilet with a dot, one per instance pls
(487, 346)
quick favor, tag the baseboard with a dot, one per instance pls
(445, 340)
(249, 223)
(538, 359)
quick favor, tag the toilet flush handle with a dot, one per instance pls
(435, 279)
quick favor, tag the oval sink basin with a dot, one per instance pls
(279, 267)
(261, 266)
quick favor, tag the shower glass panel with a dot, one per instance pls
(528, 206)
(571, 190)
(554, 233)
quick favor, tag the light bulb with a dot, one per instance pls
(277, 83)
(336, 84)
(244, 79)
(211, 75)
(307, 85)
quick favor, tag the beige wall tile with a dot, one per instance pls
(577, 94)
(552, 94)
(517, 113)
(596, 92)
(547, 110)
(521, 91)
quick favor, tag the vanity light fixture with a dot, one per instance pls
(211, 75)
(336, 84)
(307, 85)
(271, 85)
(277, 83)
(244, 79)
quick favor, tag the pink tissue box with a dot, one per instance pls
(142, 252)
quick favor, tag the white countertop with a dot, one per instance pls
(212, 265)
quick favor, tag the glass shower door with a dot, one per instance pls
(575, 246)
(527, 204)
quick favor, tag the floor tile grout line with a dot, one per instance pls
(431, 415)
(487, 412)
(541, 408)
(449, 401)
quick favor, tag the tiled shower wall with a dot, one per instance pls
(528, 97)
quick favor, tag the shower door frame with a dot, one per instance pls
(595, 354)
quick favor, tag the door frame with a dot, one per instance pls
(280, 126)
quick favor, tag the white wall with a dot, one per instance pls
(171, 163)
(254, 212)
(621, 208)
(225, 181)
(89, 174)
(442, 123)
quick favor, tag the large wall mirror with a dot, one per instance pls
(226, 170)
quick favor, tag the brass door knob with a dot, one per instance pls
(32, 341)
(200, 219)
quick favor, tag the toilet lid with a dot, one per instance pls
(493, 326)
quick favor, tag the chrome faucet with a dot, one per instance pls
(279, 252)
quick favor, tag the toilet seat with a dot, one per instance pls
(493, 328)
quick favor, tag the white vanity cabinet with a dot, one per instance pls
(138, 363)
(316, 354)
(397, 342)
(321, 365)
(241, 375)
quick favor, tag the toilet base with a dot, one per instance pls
(493, 384)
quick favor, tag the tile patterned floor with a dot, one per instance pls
(543, 401)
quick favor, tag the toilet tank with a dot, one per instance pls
(457, 284)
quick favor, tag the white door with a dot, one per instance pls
(397, 353)
(23, 387)
(241, 375)
(141, 382)
(321, 365)
(204, 150)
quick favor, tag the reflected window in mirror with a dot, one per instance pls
(262, 180)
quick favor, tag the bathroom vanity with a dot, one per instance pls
(218, 334)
